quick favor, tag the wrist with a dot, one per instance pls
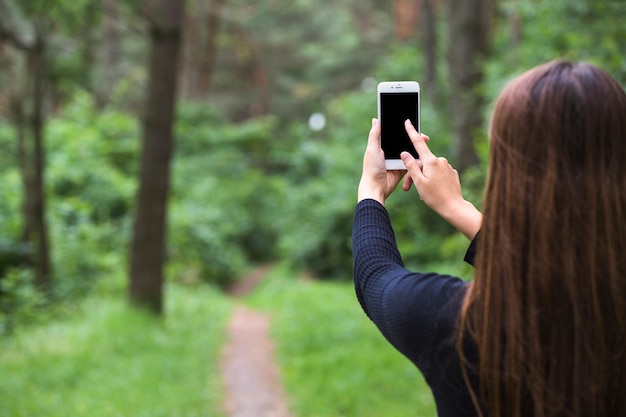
(452, 209)
(367, 192)
(463, 216)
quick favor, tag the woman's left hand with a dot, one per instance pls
(376, 181)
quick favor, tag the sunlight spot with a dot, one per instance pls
(368, 84)
(317, 121)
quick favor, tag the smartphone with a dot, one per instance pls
(397, 101)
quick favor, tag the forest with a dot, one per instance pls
(157, 148)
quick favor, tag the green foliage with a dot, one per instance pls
(224, 196)
(401, 62)
(265, 188)
(8, 147)
(91, 183)
(568, 29)
(308, 50)
(91, 161)
(243, 192)
(10, 207)
(290, 186)
(249, 192)
(20, 301)
(328, 348)
(111, 360)
(318, 218)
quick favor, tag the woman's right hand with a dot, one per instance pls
(439, 186)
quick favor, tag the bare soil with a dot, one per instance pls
(251, 378)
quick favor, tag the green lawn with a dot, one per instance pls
(110, 361)
(335, 362)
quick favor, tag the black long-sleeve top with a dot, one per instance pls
(416, 312)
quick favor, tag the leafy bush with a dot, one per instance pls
(226, 195)
(268, 188)
(20, 301)
(92, 159)
(318, 219)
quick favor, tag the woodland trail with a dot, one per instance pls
(251, 378)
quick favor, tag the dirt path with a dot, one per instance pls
(251, 377)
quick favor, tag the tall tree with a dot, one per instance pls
(278, 59)
(255, 71)
(35, 207)
(428, 36)
(111, 55)
(469, 28)
(207, 58)
(148, 246)
(191, 48)
(29, 118)
(202, 27)
(405, 16)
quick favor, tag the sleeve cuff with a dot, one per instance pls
(470, 255)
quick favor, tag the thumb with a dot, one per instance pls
(413, 166)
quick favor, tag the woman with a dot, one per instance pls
(541, 329)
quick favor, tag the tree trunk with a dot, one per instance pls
(254, 72)
(148, 246)
(30, 120)
(207, 59)
(405, 17)
(44, 268)
(18, 119)
(36, 227)
(515, 21)
(428, 31)
(189, 54)
(110, 69)
(470, 22)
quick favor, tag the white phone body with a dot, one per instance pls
(397, 101)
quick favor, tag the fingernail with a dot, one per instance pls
(374, 121)
(408, 120)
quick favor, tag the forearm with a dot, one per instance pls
(374, 250)
(463, 216)
(373, 239)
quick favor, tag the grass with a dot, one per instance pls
(111, 360)
(334, 361)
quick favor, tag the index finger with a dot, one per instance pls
(418, 140)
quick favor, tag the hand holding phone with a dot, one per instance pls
(397, 102)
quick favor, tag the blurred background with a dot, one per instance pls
(110, 188)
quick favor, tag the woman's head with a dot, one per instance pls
(547, 306)
(559, 129)
(557, 171)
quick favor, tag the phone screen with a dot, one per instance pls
(395, 108)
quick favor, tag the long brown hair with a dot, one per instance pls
(547, 307)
